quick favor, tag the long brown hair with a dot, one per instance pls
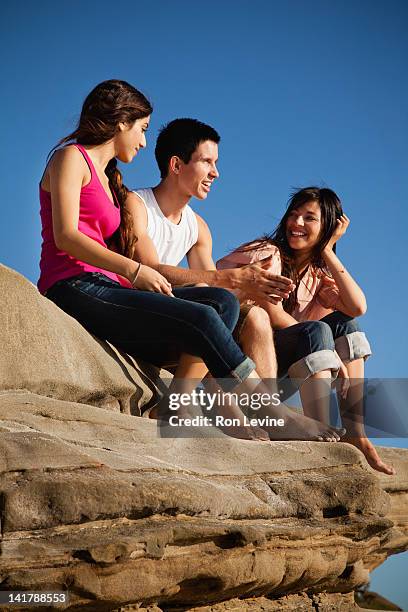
(330, 210)
(108, 104)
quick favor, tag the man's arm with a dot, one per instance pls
(145, 251)
(253, 279)
(199, 256)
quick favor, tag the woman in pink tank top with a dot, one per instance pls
(83, 213)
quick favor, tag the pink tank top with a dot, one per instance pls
(98, 219)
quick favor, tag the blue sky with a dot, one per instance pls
(302, 92)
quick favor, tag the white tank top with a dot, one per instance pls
(172, 241)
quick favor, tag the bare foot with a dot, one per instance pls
(370, 453)
(245, 432)
(300, 427)
(260, 433)
(297, 426)
(241, 431)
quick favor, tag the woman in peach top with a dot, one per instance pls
(315, 331)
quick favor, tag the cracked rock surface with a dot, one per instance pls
(94, 502)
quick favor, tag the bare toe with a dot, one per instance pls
(330, 436)
(372, 456)
(239, 431)
(260, 434)
(375, 462)
(387, 469)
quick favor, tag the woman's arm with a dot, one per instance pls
(66, 175)
(351, 297)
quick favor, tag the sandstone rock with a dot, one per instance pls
(48, 352)
(291, 603)
(397, 489)
(94, 502)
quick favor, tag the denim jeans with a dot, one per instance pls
(156, 327)
(312, 346)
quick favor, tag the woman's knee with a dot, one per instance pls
(341, 324)
(226, 305)
(209, 316)
(226, 297)
(350, 326)
(351, 343)
(315, 352)
(320, 336)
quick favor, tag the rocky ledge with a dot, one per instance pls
(94, 502)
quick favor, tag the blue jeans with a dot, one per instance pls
(312, 346)
(157, 328)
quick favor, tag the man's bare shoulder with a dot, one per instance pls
(203, 227)
(135, 198)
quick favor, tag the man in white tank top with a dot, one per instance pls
(168, 229)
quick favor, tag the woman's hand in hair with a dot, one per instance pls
(342, 224)
(147, 279)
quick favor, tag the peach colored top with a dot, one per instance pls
(317, 294)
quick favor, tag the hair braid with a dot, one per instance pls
(124, 238)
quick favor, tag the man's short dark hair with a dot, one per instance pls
(181, 137)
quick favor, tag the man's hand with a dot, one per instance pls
(259, 284)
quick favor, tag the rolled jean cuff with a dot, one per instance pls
(237, 376)
(314, 363)
(353, 346)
